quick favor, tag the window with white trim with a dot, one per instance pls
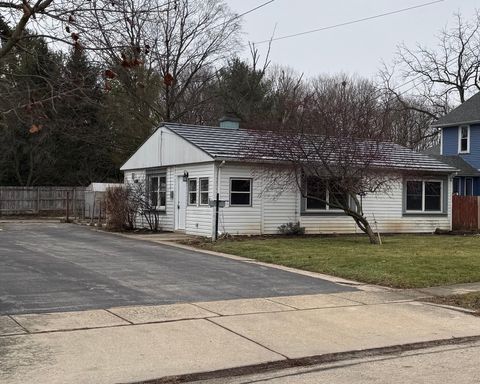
(321, 195)
(192, 191)
(464, 139)
(424, 196)
(157, 189)
(204, 191)
(240, 192)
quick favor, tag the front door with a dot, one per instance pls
(180, 204)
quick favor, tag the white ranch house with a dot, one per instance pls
(185, 166)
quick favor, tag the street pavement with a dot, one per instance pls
(439, 365)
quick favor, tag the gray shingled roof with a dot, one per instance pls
(458, 162)
(466, 113)
(231, 144)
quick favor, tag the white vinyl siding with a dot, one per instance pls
(199, 217)
(270, 209)
(165, 218)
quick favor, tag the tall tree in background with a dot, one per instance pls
(180, 44)
(83, 144)
(243, 89)
(435, 79)
(30, 77)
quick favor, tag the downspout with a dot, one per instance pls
(217, 200)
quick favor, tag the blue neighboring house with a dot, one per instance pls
(460, 145)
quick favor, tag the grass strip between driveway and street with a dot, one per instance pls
(468, 300)
(403, 261)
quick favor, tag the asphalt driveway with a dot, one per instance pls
(46, 267)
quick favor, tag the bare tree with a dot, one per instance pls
(431, 80)
(177, 46)
(139, 197)
(335, 153)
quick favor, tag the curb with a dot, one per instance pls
(309, 361)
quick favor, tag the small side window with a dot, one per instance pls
(464, 139)
(204, 191)
(240, 192)
(157, 189)
(192, 191)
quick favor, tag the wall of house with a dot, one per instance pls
(165, 218)
(270, 209)
(198, 218)
(384, 212)
(450, 144)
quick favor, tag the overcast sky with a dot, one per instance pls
(358, 48)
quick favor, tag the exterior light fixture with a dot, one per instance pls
(185, 176)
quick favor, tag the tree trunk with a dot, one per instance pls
(371, 235)
(364, 225)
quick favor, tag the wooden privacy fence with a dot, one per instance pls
(42, 200)
(466, 213)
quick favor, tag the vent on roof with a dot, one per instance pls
(230, 122)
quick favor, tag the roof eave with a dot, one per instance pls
(455, 124)
(270, 161)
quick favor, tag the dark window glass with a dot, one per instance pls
(336, 198)
(162, 191)
(468, 187)
(414, 195)
(464, 139)
(240, 185)
(433, 196)
(240, 192)
(316, 188)
(456, 185)
(192, 191)
(240, 199)
(204, 191)
(163, 183)
(153, 191)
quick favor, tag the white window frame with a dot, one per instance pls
(423, 181)
(158, 191)
(232, 179)
(460, 128)
(189, 192)
(203, 192)
(465, 186)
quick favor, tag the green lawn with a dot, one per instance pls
(403, 261)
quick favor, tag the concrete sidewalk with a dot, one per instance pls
(131, 344)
